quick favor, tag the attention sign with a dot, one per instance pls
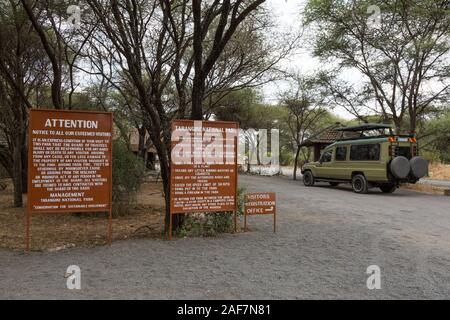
(203, 166)
(69, 161)
(260, 203)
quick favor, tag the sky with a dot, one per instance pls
(288, 15)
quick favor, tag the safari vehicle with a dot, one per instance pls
(373, 157)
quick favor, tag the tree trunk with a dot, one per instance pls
(412, 123)
(17, 170)
(296, 162)
(141, 144)
(398, 126)
(25, 166)
(197, 98)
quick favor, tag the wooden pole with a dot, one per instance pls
(110, 227)
(274, 221)
(27, 231)
(245, 221)
(236, 205)
(170, 227)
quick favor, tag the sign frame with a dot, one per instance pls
(30, 212)
(274, 213)
(235, 164)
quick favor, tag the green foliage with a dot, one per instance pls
(211, 224)
(436, 138)
(403, 57)
(245, 107)
(128, 173)
(286, 157)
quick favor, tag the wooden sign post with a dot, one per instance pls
(69, 164)
(203, 169)
(260, 203)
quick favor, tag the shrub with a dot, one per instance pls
(286, 157)
(128, 174)
(211, 224)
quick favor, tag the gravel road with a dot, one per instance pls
(437, 183)
(326, 239)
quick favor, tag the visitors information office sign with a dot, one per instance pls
(69, 161)
(203, 166)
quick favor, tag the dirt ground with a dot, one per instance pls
(53, 232)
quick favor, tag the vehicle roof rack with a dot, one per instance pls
(365, 127)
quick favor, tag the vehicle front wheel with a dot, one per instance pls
(388, 188)
(359, 184)
(308, 179)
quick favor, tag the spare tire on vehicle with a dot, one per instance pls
(400, 167)
(419, 167)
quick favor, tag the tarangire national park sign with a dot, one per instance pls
(203, 171)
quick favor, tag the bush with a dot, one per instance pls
(211, 224)
(128, 174)
(286, 157)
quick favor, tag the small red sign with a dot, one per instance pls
(260, 203)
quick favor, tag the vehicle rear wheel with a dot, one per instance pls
(334, 184)
(388, 188)
(308, 179)
(359, 184)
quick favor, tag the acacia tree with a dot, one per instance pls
(404, 59)
(35, 50)
(146, 48)
(221, 18)
(52, 49)
(140, 52)
(305, 108)
(23, 69)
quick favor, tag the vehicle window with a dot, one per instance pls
(365, 152)
(341, 153)
(326, 156)
(403, 151)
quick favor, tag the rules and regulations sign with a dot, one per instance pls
(203, 166)
(260, 203)
(69, 161)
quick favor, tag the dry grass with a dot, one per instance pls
(58, 231)
(439, 171)
(426, 188)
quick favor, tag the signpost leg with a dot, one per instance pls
(235, 221)
(110, 227)
(274, 221)
(27, 232)
(245, 222)
(170, 227)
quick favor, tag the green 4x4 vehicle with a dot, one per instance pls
(382, 160)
